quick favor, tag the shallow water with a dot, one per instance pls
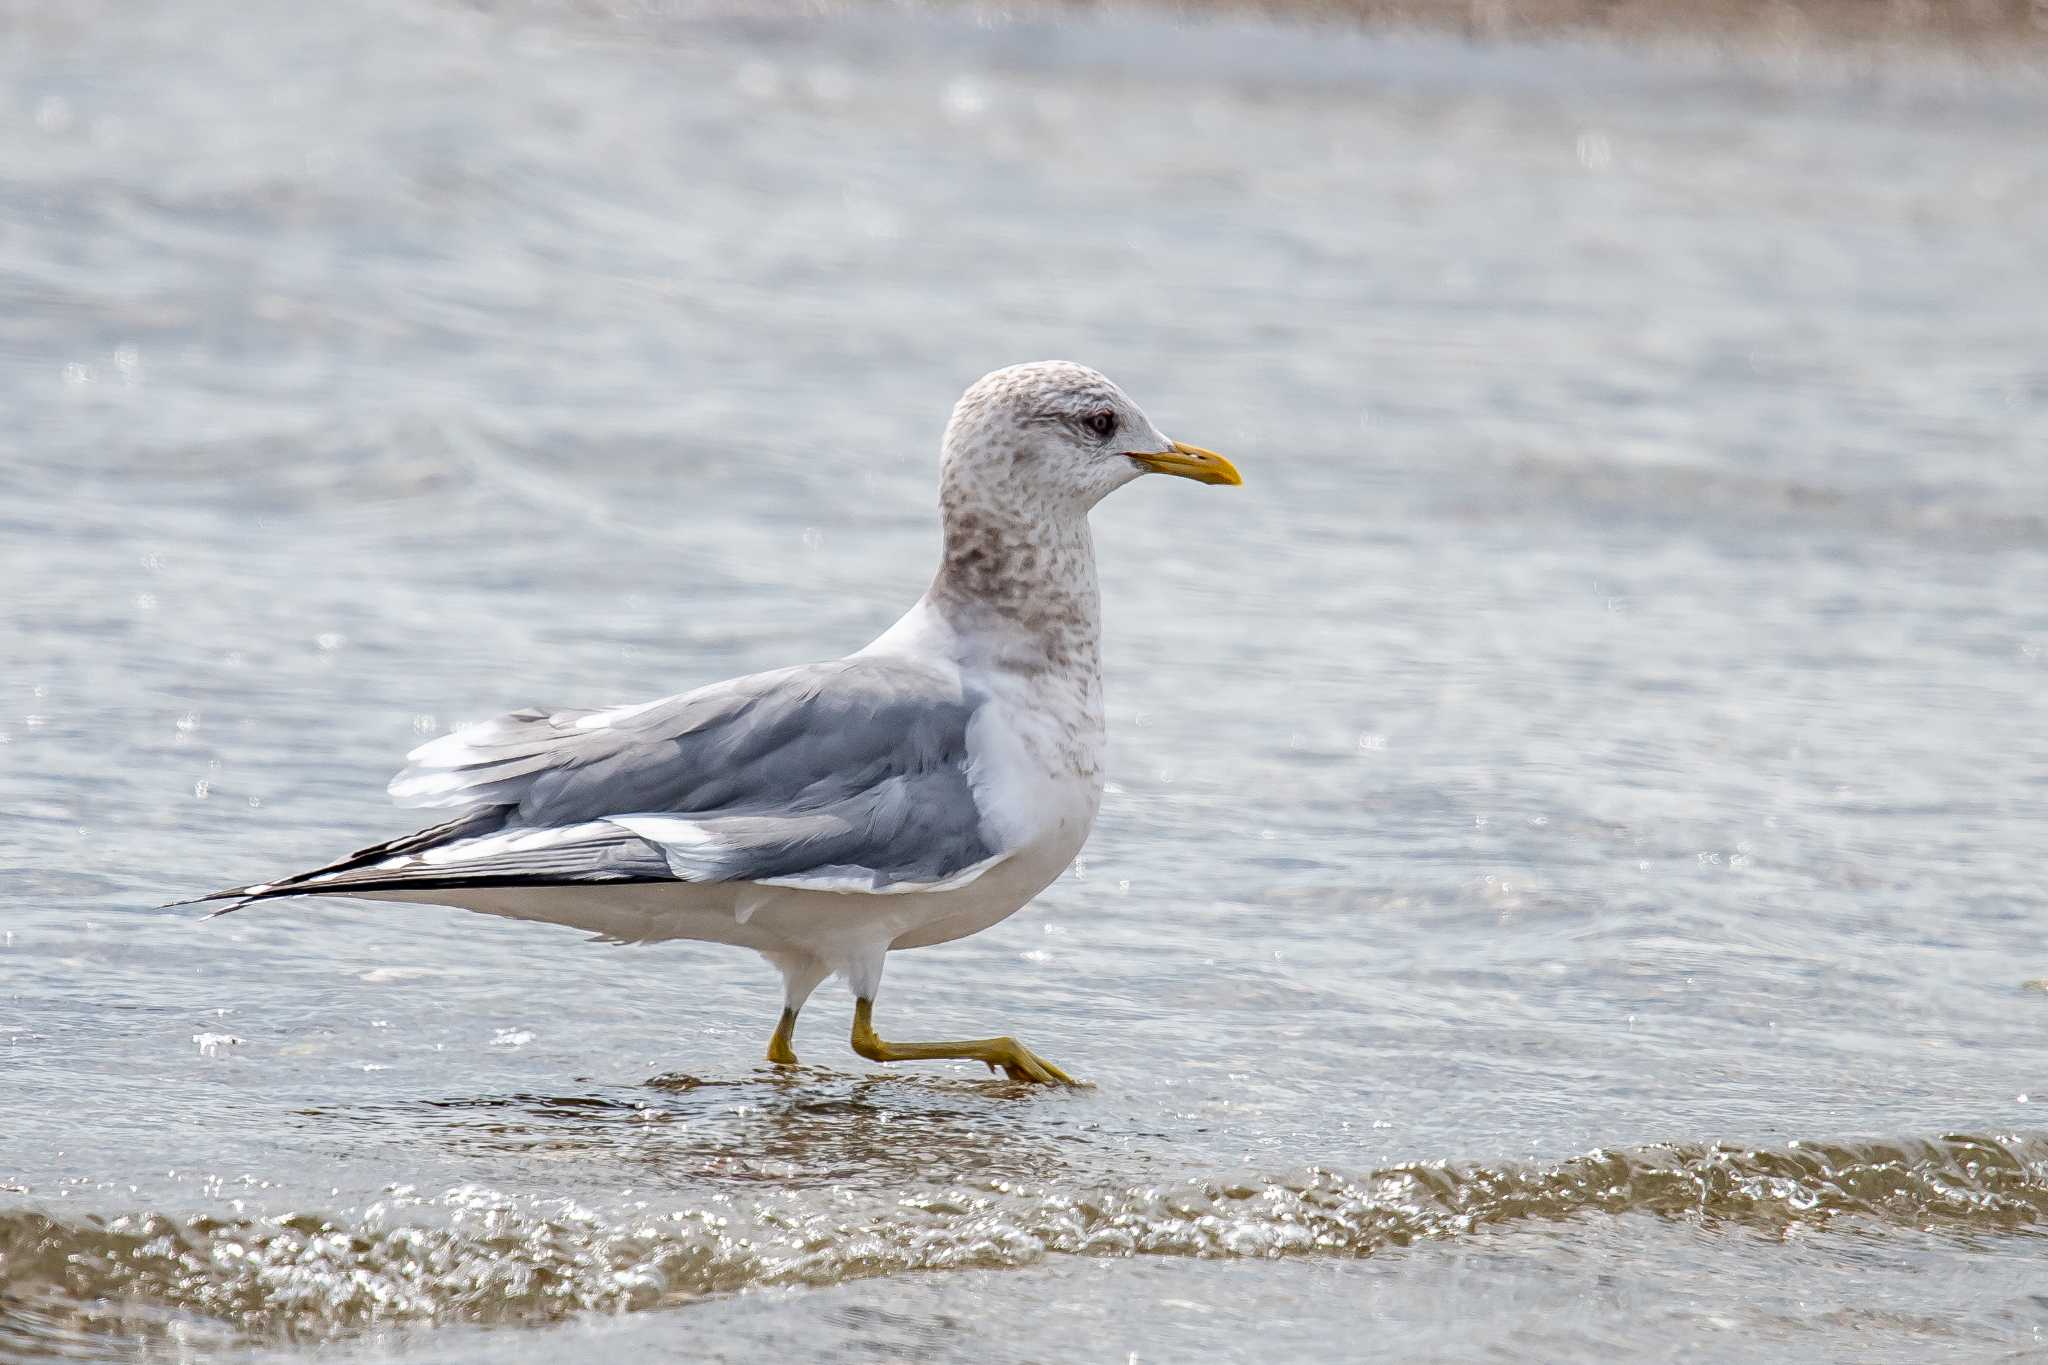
(1571, 879)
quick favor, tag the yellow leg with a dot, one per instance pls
(781, 1050)
(1005, 1054)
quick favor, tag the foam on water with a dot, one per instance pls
(477, 1255)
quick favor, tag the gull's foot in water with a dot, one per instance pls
(1005, 1054)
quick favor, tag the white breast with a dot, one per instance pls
(1037, 804)
(1035, 764)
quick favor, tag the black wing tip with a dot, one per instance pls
(240, 895)
(295, 885)
(299, 883)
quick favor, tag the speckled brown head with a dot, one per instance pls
(1053, 438)
(1029, 450)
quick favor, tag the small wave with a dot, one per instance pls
(473, 1255)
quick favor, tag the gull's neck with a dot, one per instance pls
(1025, 588)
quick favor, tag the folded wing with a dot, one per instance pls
(849, 775)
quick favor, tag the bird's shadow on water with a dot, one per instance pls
(791, 1127)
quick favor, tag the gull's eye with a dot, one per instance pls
(1103, 424)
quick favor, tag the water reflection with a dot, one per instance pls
(789, 1128)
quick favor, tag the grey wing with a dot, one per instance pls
(844, 775)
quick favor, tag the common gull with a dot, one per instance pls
(916, 791)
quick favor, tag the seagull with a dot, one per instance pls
(913, 792)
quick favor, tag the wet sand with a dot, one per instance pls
(1982, 29)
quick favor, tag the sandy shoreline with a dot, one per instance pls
(1979, 27)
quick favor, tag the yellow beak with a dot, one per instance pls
(1191, 462)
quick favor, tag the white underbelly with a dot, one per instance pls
(832, 927)
(1003, 891)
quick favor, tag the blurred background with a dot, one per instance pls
(1570, 884)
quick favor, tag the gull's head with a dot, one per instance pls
(1054, 438)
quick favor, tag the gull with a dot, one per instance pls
(916, 791)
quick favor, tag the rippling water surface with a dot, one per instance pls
(1572, 876)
